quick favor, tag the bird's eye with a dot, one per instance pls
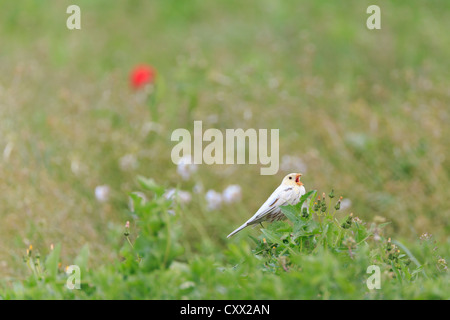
(290, 177)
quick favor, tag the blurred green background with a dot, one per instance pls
(365, 112)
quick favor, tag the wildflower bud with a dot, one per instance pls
(315, 206)
(442, 264)
(347, 223)
(338, 205)
(331, 194)
(127, 229)
(305, 213)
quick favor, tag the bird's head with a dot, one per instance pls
(292, 179)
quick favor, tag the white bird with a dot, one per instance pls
(289, 192)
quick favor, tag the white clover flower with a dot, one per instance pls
(102, 193)
(179, 196)
(186, 168)
(292, 163)
(198, 188)
(149, 127)
(425, 236)
(248, 114)
(232, 193)
(213, 199)
(345, 204)
(7, 151)
(128, 162)
(75, 166)
(170, 193)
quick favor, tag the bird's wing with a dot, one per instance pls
(281, 196)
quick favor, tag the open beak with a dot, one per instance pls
(297, 179)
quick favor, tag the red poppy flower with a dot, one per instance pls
(142, 75)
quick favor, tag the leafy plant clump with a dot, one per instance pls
(314, 225)
(317, 253)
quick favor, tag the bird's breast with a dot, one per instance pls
(297, 193)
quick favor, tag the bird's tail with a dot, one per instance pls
(237, 230)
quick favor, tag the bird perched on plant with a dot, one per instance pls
(289, 192)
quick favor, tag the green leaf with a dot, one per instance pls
(382, 225)
(291, 212)
(150, 184)
(282, 227)
(311, 203)
(417, 270)
(254, 239)
(306, 196)
(272, 236)
(397, 272)
(52, 261)
(82, 259)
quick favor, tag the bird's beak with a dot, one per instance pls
(297, 179)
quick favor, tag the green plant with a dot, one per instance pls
(317, 226)
(157, 243)
(315, 254)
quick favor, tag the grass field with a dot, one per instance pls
(363, 112)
